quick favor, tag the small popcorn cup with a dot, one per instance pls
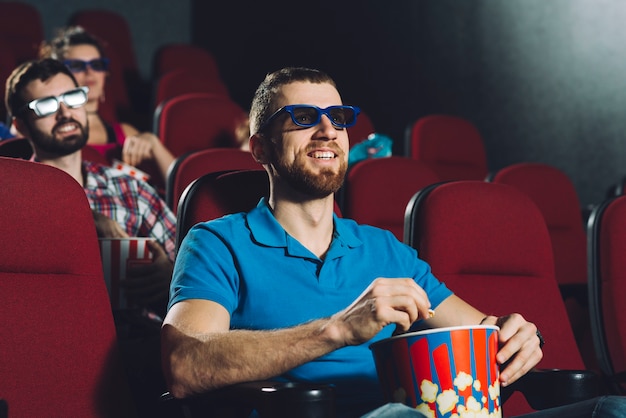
(130, 170)
(118, 255)
(443, 373)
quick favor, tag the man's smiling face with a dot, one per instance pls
(60, 133)
(312, 160)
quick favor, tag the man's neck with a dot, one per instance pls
(71, 164)
(310, 222)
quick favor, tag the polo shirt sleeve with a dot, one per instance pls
(436, 290)
(204, 269)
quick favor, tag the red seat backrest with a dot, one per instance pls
(89, 153)
(197, 121)
(377, 190)
(217, 194)
(58, 352)
(22, 29)
(607, 286)
(555, 195)
(183, 56)
(8, 63)
(189, 167)
(182, 81)
(451, 145)
(221, 193)
(490, 245)
(363, 128)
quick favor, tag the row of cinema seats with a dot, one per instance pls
(484, 210)
(463, 161)
(500, 237)
(482, 238)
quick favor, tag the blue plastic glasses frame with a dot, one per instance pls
(315, 113)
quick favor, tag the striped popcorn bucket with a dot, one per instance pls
(118, 254)
(443, 373)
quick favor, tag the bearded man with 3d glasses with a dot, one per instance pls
(47, 107)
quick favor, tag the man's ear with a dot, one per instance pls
(258, 148)
(20, 126)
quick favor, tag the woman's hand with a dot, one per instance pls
(139, 148)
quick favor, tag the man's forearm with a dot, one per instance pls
(199, 363)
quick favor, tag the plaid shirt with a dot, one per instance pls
(132, 203)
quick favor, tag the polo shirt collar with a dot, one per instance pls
(266, 230)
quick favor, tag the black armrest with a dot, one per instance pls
(4, 409)
(548, 388)
(270, 399)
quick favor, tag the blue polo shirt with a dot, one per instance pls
(266, 279)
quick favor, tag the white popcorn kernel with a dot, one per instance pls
(446, 401)
(429, 390)
(463, 380)
(425, 410)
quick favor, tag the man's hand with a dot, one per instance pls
(519, 346)
(384, 302)
(107, 227)
(150, 283)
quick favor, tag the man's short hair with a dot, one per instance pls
(263, 103)
(24, 74)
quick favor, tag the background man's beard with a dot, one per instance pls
(69, 145)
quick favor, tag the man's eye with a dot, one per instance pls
(339, 116)
(305, 117)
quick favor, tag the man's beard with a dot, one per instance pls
(47, 142)
(321, 184)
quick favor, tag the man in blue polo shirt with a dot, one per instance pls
(290, 290)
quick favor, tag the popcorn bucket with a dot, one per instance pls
(118, 254)
(444, 373)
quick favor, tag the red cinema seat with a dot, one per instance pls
(184, 56)
(555, 195)
(452, 146)
(21, 29)
(377, 190)
(182, 81)
(59, 355)
(490, 245)
(361, 130)
(197, 121)
(189, 167)
(606, 234)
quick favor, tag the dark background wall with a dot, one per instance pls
(542, 80)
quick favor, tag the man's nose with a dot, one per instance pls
(327, 128)
(63, 111)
